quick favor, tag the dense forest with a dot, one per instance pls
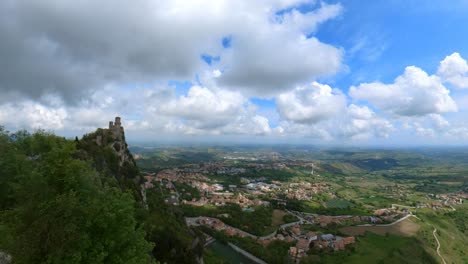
(64, 201)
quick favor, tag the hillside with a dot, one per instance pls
(79, 201)
(108, 151)
(57, 208)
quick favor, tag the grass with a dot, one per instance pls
(454, 243)
(312, 204)
(212, 257)
(338, 203)
(404, 228)
(277, 217)
(373, 248)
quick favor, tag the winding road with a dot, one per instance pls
(438, 245)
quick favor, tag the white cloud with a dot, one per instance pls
(311, 104)
(425, 132)
(71, 47)
(361, 123)
(413, 93)
(209, 108)
(438, 121)
(454, 70)
(307, 23)
(458, 133)
(149, 112)
(319, 111)
(32, 115)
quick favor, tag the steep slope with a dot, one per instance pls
(64, 201)
(164, 225)
(57, 209)
(109, 152)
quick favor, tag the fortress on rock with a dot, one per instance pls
(115, 124)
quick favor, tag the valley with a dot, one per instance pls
(291, 204)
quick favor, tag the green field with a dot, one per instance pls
(373, 248)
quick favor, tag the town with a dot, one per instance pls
(317, 216)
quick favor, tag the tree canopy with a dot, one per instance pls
(54, 208)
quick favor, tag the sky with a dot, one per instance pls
(360, 73)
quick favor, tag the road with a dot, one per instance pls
(301, 219)
(193, 221)
(393, 223)
(246, 254)
(438, 245)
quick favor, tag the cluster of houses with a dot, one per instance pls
(261, 186)
(220, 167)
(215, 193)
(306, 240)
(217, 225)
(305, 190)
(319, 242)
(217, 168)
(447, 200)
(388, 215)
(223, 198)
(181, 175)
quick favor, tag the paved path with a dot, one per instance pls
(302, 220)
(402, 206)
(192, 221)
(438, 245)
(394, 223)
(246, 254)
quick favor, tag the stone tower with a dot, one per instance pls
(117, 121)
(116, 126)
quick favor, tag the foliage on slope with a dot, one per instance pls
(165, 226)
(55, 208)
(110, 156)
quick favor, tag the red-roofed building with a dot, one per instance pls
(349, 240)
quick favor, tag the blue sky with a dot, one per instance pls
(396, 34)
(321, 72)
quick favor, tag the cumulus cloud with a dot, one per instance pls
(210, 108)
(264, 62)
(150, 111)
(319, 111)
(311, 103)
(70, 48)
(356, 123)
(211, 111)
(308, 22)
(439, 122)
(33, 116)
(413, 93)
(458, 133)
(454, 70)
(360, 122)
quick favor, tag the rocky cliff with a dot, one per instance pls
(109, 151)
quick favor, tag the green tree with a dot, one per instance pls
(58, 210)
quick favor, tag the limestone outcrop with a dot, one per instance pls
(109, 150)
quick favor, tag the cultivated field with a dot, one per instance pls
(406, 227)
(277, 217)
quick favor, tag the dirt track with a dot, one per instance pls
(438, 245)
(403, 228)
